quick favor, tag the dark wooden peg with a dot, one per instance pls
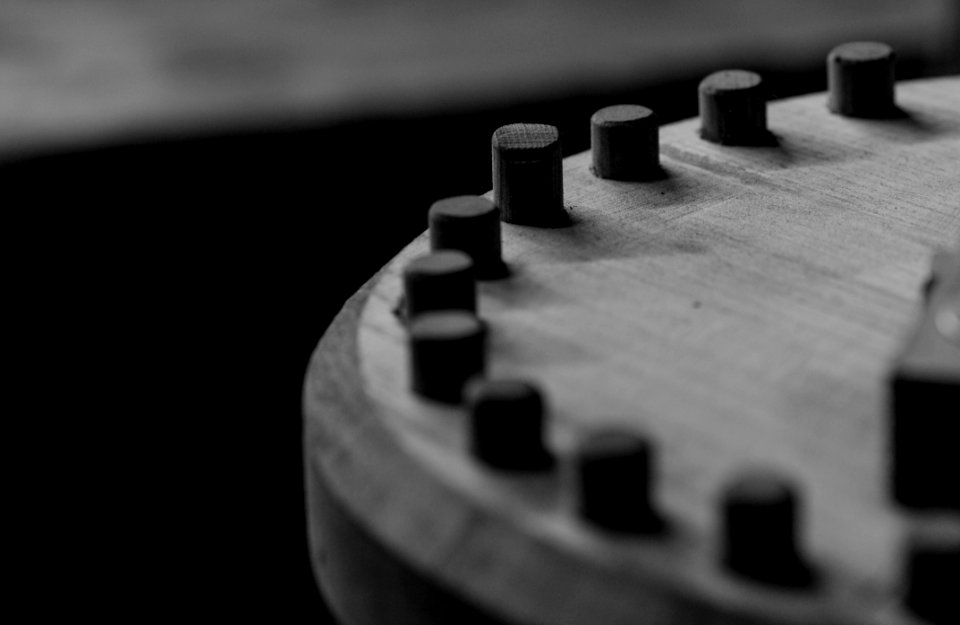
(625, 143)
(759, 515)
(733, 108)
(925, 393)
(860, 78)
(470, 224)
(442, 280)
(615, 479)
(446, 350)
(528, 175)
(506, 425)
(933, 572)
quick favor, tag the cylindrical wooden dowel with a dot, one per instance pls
(924, 462)
(470, 224)
(860, 77)
(733, 108)
(528, 175)
(506, 423)
(932, 573)
(442, 280)
(759, 513)
(615, 479)
(446, 349)
(625, 143)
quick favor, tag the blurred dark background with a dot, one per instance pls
(195, 188)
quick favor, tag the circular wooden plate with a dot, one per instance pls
(743, 311)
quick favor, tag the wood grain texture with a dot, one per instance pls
(743, 311)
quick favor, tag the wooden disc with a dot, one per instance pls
(743, 311)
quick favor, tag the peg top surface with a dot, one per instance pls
(760, 486)
(861, 51)
(463, 206)
(619, 114)
(503, 390)
(522, 137)
(444, 324)
(730, 80)
(440, 262)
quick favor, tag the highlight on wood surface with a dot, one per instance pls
(711, 353)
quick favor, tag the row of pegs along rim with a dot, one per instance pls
(760, 508)
(465, 233)
(624, 139)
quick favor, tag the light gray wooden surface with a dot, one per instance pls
(89, 72)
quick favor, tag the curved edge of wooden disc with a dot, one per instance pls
(364, 582)
(381, 553)
(372, 544)
(391, 543)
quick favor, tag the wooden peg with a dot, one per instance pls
(442, 280)
(615, 480)
(470, 224)
(625, 143)
(759, 512)
(860, 77)
(446, 349)
(733, 108)
(528, 175)
(933, 571)
(506, 425)
(925, 393)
